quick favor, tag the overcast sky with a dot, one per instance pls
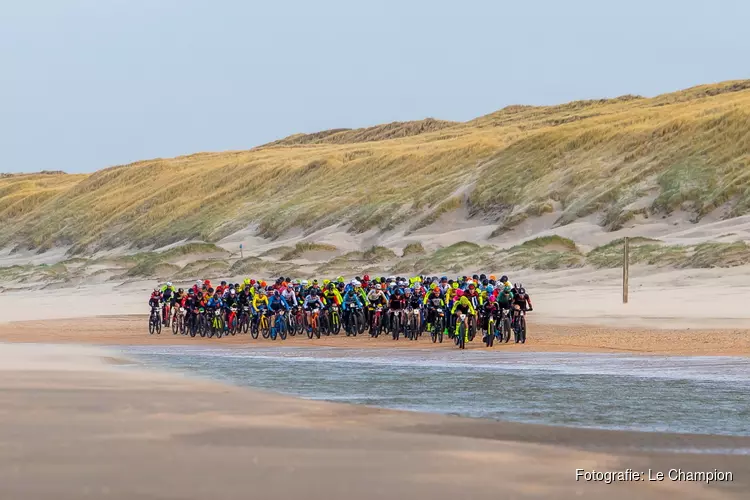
(86, 84)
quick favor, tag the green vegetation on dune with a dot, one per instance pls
(642, 251)
(300, 248)
(690, 149)
(718, 255)
(412, 249)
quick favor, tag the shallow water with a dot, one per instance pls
(706, 395)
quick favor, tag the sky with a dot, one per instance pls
(87, 84)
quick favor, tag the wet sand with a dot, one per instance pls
(75, 424)
(133, 330)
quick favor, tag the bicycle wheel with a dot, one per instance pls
(395, 327)
(281, 328)
(335, 323)
(254, 329)
(176, 325)
(441, 328)
(151, 327)
(462, 336)
(490, 335)
(522, 321)
(264, 327)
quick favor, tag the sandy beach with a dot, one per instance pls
(76, 423)
(132, 330)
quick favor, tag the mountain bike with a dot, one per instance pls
(377, 322)
(463, 328)
(298, 317)
(335, 320)
(519, 326)
(178, 323)
(264, 326)
(412, 323)
(165, 313)
(396, 323)
(244, 321)
(438, 326)
(324, 323)
(232, 321)
(353, 321)
(489, 334)
(154, 321)
(217, 324)
(279, 325)
(504, 327)
(314, 327)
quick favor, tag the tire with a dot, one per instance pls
(245, 324)
(323, 326)
(462, 336)
(396, 327)
(281, 328)
(441, 323)
(264, 327)
(490, 338)
(151, 327)
(175, 326)
(193, 326)
(355, 323)
(414, 328)
(335, 323)
(310, 333)
(219, 327)
(522, 325)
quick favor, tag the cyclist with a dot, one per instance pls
(351, 301)
(462, 305)
(312, 301)
(433, 301)
(276, 304)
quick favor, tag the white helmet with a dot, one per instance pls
(378, 287)
(354, 282)
(169, 284)
(304, 283)
(231, 291)
(198, 283)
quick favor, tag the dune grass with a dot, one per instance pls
(642, 251)
(412, 249)
(300, 248)
(692, 147)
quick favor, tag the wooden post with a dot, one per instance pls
(625, 269)
(241, 253)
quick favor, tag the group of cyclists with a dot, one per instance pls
(457, 308)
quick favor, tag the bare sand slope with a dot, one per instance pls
(75, 426)
(133, 330)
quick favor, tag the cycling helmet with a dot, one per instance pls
(454, 285)
(485, 282)
(263, 284)
(482, 277)
(354, 282)
(522, 291)
(191, 291)
(303, 283)
(325, 282)
(211, 290)
(288, 280)
(366, 277)
(156, 290)
(504, 279)
(472, 286)
(180, 290)
(198, 283)
(475, 277)
(491, 298)
(262, 291)
(407, 291)
(169, 284)
(313, 293)
(490, 289)
(459, 293)
(436, 290)
(269, 289)
(340, 286)
(231, 291)
(399, 291)
(276, 293)
(378, 287)
(507, 288)
(223, 283)
(340, 279)
(492, 277)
